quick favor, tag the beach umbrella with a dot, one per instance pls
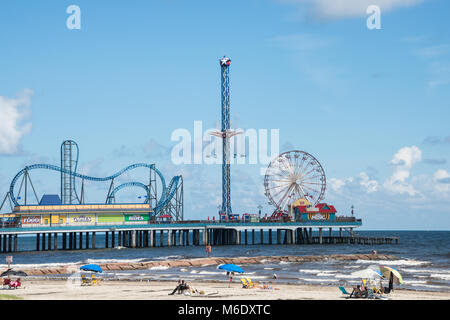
(11, 272)
(368, 273)
(231, 268)
(92, 267)
(386, 271)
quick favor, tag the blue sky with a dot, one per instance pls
(371, 105)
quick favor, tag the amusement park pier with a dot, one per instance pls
(185, 233)
(294, 183)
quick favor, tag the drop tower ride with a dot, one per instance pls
(226, 133)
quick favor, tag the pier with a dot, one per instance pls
(188, 233)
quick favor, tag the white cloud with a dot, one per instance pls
(407, 156)
(403, 160)
(433, 51)
(12, 113)
(398, 183)
(441, 184)
(336, 184)
(441, 174)
(337, 9)
(361, 184)
(438, 66)
(369, 185)
(93, 168)
(402, 187)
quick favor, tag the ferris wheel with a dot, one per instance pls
(294, 175)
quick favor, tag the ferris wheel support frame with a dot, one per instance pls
(288, 179)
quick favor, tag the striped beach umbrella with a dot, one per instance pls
(387, 270)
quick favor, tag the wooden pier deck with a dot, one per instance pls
(188, 233)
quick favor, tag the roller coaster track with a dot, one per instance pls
(173, 185)
(127, 185)
(170, 190)
(166, 194)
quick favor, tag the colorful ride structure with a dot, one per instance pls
(226, 133)
(293, 177)
(169, 201)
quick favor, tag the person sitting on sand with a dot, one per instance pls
(180, 288)
(357, 292)
(15, 284)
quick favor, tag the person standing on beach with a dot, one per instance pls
(391, 282)
(230, 277)
(208, 249)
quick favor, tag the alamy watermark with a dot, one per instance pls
(73, 281)
(74, 20)
(250, 146)
(374, 20)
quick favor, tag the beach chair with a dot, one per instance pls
(6, 283)
(85, 281)
(358, 292)
(344, 292)
(250, 283)
(376, 290)
(244, 283)
(370, 294)
(247, 283)
(378, 294)
(93, 280)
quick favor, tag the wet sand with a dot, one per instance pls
(159, 290)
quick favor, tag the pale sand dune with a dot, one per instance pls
(154, 290)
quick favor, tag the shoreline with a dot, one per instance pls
(198, 262)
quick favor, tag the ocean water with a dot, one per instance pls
(423, 260)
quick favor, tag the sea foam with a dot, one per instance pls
(159, 268)
(395, 262)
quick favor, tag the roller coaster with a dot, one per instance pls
(169, 202)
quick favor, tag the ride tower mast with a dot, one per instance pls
(226, 133)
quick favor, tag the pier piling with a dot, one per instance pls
(213, 234)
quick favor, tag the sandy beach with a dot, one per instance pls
(159, 290)
(51, 287)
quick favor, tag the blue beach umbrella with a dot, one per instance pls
(92, 267)
(231, 268)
